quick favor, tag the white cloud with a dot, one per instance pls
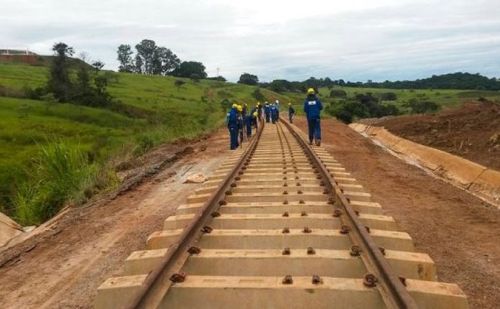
(356, 39)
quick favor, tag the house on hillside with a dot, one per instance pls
(16, 52)
(20, 56)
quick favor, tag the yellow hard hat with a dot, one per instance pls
(239, 108)
(311, 91)
(234, 105)
(289, 103)
(255, 114)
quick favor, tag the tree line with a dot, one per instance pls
(459, 80)
(151, 59)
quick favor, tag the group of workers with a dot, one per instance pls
(239, 119)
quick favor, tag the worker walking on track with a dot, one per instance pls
(277, 109)
(255, 116)
(256, 120)
(274, 113)
(291, 112)
(267, 112)
(241, 124)
(312, 109)
(259, 110)
(249, 123)
(232, 125)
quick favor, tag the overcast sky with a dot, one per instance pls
(349, 39)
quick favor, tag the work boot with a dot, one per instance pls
(318, 142)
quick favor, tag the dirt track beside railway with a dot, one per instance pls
(459, 231)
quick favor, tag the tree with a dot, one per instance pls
(146, 51)
(59, 82)
(125, 57)
(190, 69)
(165, 61)
(98, 65)
(248, 79)
(139, 63)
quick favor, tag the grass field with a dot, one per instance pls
(155, 111)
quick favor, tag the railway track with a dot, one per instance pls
(279, 225)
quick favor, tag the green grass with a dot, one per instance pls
(153, 111)
(62, 173)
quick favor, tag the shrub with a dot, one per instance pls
(179, 83)
(144, 143)
(388, 96)
(61, 173)
(420, 107)
(258, 95)
(345, 116)
(34, 93)
(338, 93)
(195, 77)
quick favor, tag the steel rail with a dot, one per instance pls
(158, 282)
(393, 291)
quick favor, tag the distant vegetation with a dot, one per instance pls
(248, 79)
(151, 59)
(365, 105)
(461, 81)
(458, 80)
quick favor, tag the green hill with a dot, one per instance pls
(153, 110)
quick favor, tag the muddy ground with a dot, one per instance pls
(459, 231)
(471, 131)
(63, 266)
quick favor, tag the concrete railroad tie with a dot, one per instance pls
(279, 241)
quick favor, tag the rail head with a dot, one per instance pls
(158, 282)
(394, 292)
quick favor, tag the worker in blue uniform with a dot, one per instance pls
(244, 112)
(232, 125)
(255, 116)
(274, 113)
(291, 112)
(256, 120)
(248, 124)
(259, 110)
(277, 103)
(267, 112)
(241, 123)
(312, 109)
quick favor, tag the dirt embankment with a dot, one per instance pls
(458, 230)
(63, 266)
(471, 131)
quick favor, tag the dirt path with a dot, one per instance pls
(65, 269)
(459, 231)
